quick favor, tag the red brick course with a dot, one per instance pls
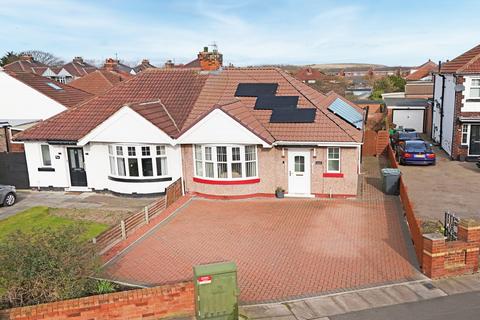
(450, 258)
(151, 303)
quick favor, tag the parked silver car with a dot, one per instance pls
(8, 195)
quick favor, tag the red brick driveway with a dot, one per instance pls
(283, 248)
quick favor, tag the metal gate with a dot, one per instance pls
(13, 169)
(450, 225)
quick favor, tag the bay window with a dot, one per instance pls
(333, 159)
(225, 161)
(137, 161)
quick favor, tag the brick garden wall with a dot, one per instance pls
(152, 303)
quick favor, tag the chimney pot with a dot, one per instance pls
(78, 59)
(26, 57)
(145, 61)
(210, 61)
(205, 49)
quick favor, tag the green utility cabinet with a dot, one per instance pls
(216, 291)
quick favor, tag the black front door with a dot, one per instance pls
(78, 176)
(474, 140)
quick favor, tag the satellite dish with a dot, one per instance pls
(459, 88)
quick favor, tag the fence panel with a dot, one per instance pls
(115, 234)
(13, 170)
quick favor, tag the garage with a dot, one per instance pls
(409, 118)
(407, 112)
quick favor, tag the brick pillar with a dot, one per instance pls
(434, 250)
(469, 231)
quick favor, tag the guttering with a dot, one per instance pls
(317, 144)
(441, 107)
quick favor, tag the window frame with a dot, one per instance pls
(465, 133)
(229, 162)
(339, 159)
(49, 155)
(474, 87)
(137, 152)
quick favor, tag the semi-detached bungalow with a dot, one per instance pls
(234, 132)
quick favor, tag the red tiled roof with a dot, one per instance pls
(98, 81)
(67, 96)
(192, 64)
(177, 89)
(423, 71)
(144, 65)
(306, 74)
(23, 65)
(187, 95)
(468, 62)
(79, 68)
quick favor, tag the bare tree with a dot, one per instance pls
(45, 57)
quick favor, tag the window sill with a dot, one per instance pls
(46, 169)
(332, 175)
(227, 182)
(140, 180)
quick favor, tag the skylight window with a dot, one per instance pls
(54, 86)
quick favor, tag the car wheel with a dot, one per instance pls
(9, 200)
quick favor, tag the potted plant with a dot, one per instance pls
(279, 192)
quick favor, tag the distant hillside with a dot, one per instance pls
(327, 66)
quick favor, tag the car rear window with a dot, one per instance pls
(418, 147)
(408, 136)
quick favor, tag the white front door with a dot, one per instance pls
(298, 172)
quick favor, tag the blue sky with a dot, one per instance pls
(247, 32)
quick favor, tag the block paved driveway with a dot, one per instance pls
(448, 186)
(284, 249)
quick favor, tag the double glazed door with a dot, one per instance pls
(298, 172)
(474, 149)
(76, 164)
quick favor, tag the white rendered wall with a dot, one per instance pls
(448, 114)
(20, 101)
(60, 178)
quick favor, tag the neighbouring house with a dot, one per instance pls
(145, 64)
(408, 113)
(73, 70)
(64, 74)
(29, 98)
(310, 75)
(420, 81)
(233, 132)
(99, 81)
(456, 111)
(115, 65)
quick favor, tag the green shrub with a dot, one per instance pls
(45, 265)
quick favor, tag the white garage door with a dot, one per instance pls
(409, 118)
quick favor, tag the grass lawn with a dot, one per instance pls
(40, 218)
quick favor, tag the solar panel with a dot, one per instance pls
(256, 89)
(273, 102)
(347, 113)
(293, 115)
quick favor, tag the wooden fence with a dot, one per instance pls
(414, 224)
(121, 231)
(375, 142)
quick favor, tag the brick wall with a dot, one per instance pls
(443, 258)
(459, 151)
(152, 303)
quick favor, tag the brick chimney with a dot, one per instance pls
(110, 64)
(145, 61)
(169, 64)
(210, 60)
(78, 59)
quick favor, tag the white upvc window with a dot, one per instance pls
(475, 88)
(225, 162)
(46, 158)
(333, 159)
(137, 161)
(465, 131)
